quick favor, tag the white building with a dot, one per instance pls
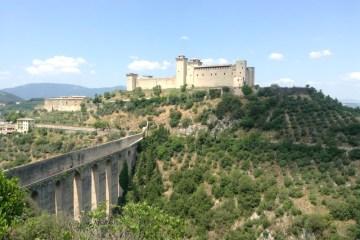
(23, 125)
(194, 74)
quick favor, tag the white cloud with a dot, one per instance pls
(211, 61)
(185, 38)
(92, 72)
(285, 82)
(320, 54)
(56, 65)
(354, 75)
(139, 65)
(276, 56)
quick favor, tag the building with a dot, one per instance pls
(7, 128)
(64, 104)
(23, 125)
(194, 74)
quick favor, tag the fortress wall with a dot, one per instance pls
(149, 83)
(31, 173)
(70, 105)
(213, 76)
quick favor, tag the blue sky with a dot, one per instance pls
(95, 43)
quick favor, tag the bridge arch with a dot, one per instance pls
(58, 197)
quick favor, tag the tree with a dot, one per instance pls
(157, 90)
(13, 116)
(12, 203)
(214, 93)
(138, 92)
(147, 222)
(83, 108)
(107, 95)
(229, 105)
(183, 88)
(247, 90)
(175, 117)
(97, 99)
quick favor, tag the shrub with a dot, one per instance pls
(147, 222)
(247, 90)
(186, 122)
(175, 117)
(354, 154)
(12, 203)
(229, 105)
(214, 93)
(157, 90)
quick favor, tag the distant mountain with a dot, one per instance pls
(352, 104)
(46, 90)
(8, 97)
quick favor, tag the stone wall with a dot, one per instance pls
(65, 105)
(213, 76)
(149, 83)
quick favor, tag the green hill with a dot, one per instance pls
(281, 163)
(8, 98)
(277, 163)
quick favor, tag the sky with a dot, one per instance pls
(94, 43)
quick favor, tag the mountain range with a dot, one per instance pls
(46, 90)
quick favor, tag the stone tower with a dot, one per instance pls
(131, 81)
(250, 74)
(181, 70)
(240, 73)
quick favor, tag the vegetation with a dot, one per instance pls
(17, 149)
(137, 221)
(275, 163)
(12, 203)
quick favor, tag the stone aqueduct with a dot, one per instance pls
(80, 180)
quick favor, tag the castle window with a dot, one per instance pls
(224, 73)
(211, 74)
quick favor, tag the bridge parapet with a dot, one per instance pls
(80, 180)
(32, 173)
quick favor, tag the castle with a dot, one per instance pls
(194, 74)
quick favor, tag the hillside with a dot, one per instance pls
(277, 163)
(45, 90)
(8, 97)
(280, 163)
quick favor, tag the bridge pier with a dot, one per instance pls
(94, 187)
(77, 196)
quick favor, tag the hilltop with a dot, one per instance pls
(8, 97)
(46, 90)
